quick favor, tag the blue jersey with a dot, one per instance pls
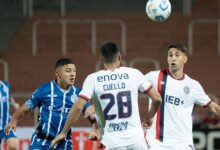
(4, 103)
(54, 105)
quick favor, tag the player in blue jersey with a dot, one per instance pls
(54, 100)
(5, 101)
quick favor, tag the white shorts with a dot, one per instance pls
(138, 146)
(157, 145)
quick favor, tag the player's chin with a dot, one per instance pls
(173, 67)
(71, 81)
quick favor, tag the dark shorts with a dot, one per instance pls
(37, 144)
(5, 137)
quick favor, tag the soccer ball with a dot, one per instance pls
(158, 10)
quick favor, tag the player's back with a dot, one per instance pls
(116, 104)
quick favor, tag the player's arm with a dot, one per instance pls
(90, 114)
(17, 116)
(201, 99)
(215, 108)
(72, 118)
(14, 103)
(94, 134)
(156, 101)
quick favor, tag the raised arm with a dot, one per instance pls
(17, 116)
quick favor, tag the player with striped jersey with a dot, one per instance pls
(54, 100)
(114, 91)
(172, 126)
(5, 101)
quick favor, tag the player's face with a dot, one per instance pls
(176, 59)
(66, 75)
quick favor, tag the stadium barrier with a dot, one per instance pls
(64, 31)
(203, 139)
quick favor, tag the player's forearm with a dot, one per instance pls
(19, 114)
(91, 117)
(73, 115)
(13, 103)
(95, 129)
(156, 101)
(215, 108)
(72, 118)
(153, 109)
(92, 120)
(95, 126)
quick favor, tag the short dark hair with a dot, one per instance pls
(63, 61)
(179, 47)
(108, 51)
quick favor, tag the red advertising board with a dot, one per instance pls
(79, 135)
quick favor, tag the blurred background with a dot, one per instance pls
(35, 33)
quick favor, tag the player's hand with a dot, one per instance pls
(16, 106)
(93, 136)
(10, 127)
(147, 124)
(90, 111)
(58, 139)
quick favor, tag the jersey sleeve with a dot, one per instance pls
(144, 85)
(35, 99)
(201, 98)
(88, 88)
(149, 76)
(9, 87)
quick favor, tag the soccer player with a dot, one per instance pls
(5, 101)
(54, 100)
(172, 126)
(114, 91)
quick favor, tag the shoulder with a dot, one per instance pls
(76, 89)
(90, 79)
(152, 73)
(155, 72)
(192, 81)
(93, 75)
(45, 86)
(6, 83)
(130, 70)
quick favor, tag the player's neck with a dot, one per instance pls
(112, 66)
(176, 74)
(63, 86)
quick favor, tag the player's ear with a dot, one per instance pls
(185, 59)
(57, 73)
(119, 57)
(101, 60)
